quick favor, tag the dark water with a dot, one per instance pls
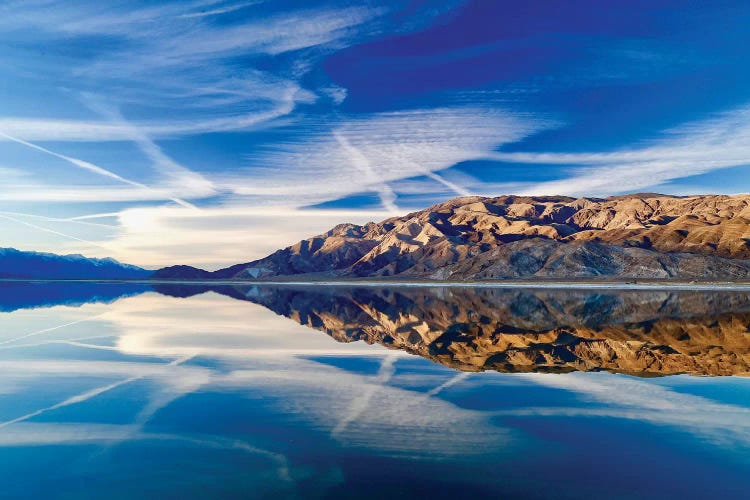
(124, 391)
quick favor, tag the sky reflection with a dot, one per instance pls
(228, 397)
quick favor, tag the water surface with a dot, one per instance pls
(123, 391)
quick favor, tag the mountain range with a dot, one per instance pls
(638, 236)
(17, 264)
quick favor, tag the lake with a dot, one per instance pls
(123, 390)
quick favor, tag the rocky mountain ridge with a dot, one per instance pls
(522, 237)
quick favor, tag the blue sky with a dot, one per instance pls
(213, 132)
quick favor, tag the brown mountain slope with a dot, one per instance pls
(633, 236)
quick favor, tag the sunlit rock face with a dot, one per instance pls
(641, 333)
(633, 236)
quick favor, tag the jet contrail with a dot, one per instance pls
(85, 396)
(55, 219)
(39, 332)
(92, 168)
(58, 233)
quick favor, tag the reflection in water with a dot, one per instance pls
(472, 329)
(16, 295)
(200, 395)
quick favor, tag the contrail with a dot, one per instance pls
(55, 219)
(92, 168)
(450, 185)
(58, 233)
(77, 342)
(39, 332)
(459, 190)
(85, 396)
(220, 10)
(161, 161)
(452, 381)
(360, 404)
(385, 193)
(94, 216)
(78, 398)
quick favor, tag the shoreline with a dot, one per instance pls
(526, 284)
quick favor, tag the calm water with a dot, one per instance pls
(123, 391)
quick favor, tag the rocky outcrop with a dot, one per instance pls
(556, 260)
(623, 237)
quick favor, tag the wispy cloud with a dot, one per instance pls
(220, 10)
(691, 149)
(57, 233)
(362, 402)
(358, 155)
(53, 129)
(58, 220)
(46, 330)
(82, 397)
(186, 71)
(173, 57)
(629, 398)
(329, 161)
(179, 177)
(88, 166)
(215, 236)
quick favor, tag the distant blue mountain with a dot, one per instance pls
(15, 264)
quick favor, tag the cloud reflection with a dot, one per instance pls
(245, 350)
(210, 374)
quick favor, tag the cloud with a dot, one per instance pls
(152, 72)
(221, 10)
(691, 149)
(90, 167)
(178, 176)
(262, 206)
(67, 130)
(173, 57)
(156, 236)
(256, 352)
(630, 398)
(57, 233)
(358, 155)
(78, 398)
(44, 331)
(214, 236)
(216, 332)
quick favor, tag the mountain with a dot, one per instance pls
(184, 272)
(522, 237)
(643, 333)
(15, 264)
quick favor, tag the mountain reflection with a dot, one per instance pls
(229, 397)
(645, 333)
(15, 295)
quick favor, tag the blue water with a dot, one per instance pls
(117, 393)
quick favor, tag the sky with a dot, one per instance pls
(213, 132)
